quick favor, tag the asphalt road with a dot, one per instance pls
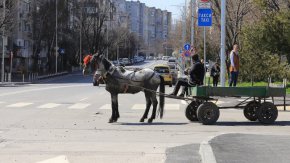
(64, 120)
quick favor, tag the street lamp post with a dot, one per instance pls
(3, 50)
(81, 28)
(56, 48)
(223, 40)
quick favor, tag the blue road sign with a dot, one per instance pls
(187, 54)
(61, 51)
(186, 47)
(204, 17)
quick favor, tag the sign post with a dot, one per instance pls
(204, 20)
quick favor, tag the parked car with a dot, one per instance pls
(165, 58)
(164, 71)
(171, 60)
(125, 61)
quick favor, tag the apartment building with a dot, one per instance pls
(150, 24)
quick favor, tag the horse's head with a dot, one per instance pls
(94, 62)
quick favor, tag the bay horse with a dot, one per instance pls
(121, 81)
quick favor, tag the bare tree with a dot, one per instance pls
(94, 16)
(236, 13)
(7, 21)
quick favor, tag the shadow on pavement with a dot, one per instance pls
(277, 123)
(152, 124)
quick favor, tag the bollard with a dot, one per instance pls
(285, 86)
(9, 77)
(29, 77)
(23, 78)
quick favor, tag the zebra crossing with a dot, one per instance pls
(81, 106)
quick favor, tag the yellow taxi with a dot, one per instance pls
(164, 70)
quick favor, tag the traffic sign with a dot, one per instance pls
(204, 5)
(187, 54)
(204, 17)
(186, 47)
(61, 51)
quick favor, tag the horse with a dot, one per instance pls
(121, 81)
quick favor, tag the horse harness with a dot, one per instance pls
(128, 77)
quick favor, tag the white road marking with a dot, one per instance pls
(79, 106)
(48, 106)
(171, 107)
(139, 107)
(206, 152)
(19, 105)
(58, 159)
(84, 99)
(184, 102)
(106, 107)
(5, 143)
(282, 108)
(166, 107)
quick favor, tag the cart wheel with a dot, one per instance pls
(208, 113)
(190, 111)
(250, 110)
(267, 113)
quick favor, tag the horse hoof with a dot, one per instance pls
(141, 120)
(150, 120)
(110, 121)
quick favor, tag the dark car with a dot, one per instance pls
(97, 80)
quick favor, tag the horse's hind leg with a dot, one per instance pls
(148, 104)
(155, 103)
(115, 112)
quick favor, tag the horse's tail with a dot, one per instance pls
(161, 97)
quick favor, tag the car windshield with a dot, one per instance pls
(161, 69)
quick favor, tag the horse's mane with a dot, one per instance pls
(107, 64)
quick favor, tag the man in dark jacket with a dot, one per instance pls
(215, 74)
(196, 75)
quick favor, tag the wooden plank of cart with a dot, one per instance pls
(203, 109)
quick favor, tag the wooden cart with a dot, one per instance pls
(203, 109)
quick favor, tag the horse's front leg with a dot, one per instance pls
(115, 112)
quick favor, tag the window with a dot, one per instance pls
(19, 27)
(161, 69)
(26, 43)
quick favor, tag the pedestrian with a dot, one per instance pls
(196, 75)
(235, 65)
(215, 74)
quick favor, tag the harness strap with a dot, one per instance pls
(126, 88)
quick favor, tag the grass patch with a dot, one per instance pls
(249, 84)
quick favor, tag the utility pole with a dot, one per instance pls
(107, 33)
(81, 28)
(3, 47)
(56, 46)
(184, 35)
(192, 8)
(223, 40)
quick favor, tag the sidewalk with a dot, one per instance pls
(38, 79)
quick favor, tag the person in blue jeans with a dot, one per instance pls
(235, 65)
